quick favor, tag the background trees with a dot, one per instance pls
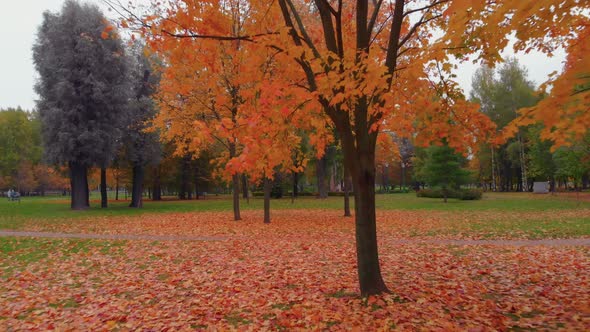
(514, 163)
(20, 147)
(82, 89)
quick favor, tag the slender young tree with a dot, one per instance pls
(142, 147)
(82, 88)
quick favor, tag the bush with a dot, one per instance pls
(471, 194)
(462, 194)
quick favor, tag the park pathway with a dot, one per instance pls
(518, 243)
(110, 236)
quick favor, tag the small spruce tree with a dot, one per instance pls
(443, 168)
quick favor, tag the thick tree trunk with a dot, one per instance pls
(321, 172)
(137, 187)
(369, 271)
(236, 196)
(79, 186)
(346, 193)
(156, 185)
(267, 189)
(103, 188)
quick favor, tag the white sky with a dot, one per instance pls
(19, 20)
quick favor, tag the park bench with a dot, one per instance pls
(14, 197)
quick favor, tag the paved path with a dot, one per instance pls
(519, 243)
(111, 236)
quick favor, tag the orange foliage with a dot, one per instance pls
(236, 94)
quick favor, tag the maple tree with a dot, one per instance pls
(232, 94)
(370, 66)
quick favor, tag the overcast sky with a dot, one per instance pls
(19, 20)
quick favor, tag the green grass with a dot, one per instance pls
(18, 252)
(13, 214)
(56, 209)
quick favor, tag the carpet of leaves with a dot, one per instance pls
(298, 273)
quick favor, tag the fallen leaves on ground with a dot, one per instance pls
(298, 273)
(323, 224)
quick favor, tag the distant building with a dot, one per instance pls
(541, 187)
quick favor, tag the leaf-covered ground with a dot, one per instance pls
(297, 273)
(324, 224)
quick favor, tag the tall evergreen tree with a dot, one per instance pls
(83, 91)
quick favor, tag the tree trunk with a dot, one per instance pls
(295, 192)
(585, 181)
(184, 186)
(321, 172)
(369, 271)
(267, 189)
(236, 196)
(157, 186)
(137, 187)
(346, 193)
(235, 185)
(103, 188)
(79, 186)
(197, 182)
(493, 169)
(244, 186)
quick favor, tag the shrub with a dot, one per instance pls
(471, 194)
(462, 194)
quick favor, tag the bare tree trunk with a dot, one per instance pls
(236, 196)
(244, 186)
(321, 170)
(494, 185)
(197, 182)
(235, 185)
(137, 187)
(156, 187)
(103, 188)
(184, 186)
(369, 271)
(79, 186)
(346, 193)
(522, 163)
(295, 192)
(267, 189)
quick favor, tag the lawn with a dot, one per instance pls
(299, 271)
